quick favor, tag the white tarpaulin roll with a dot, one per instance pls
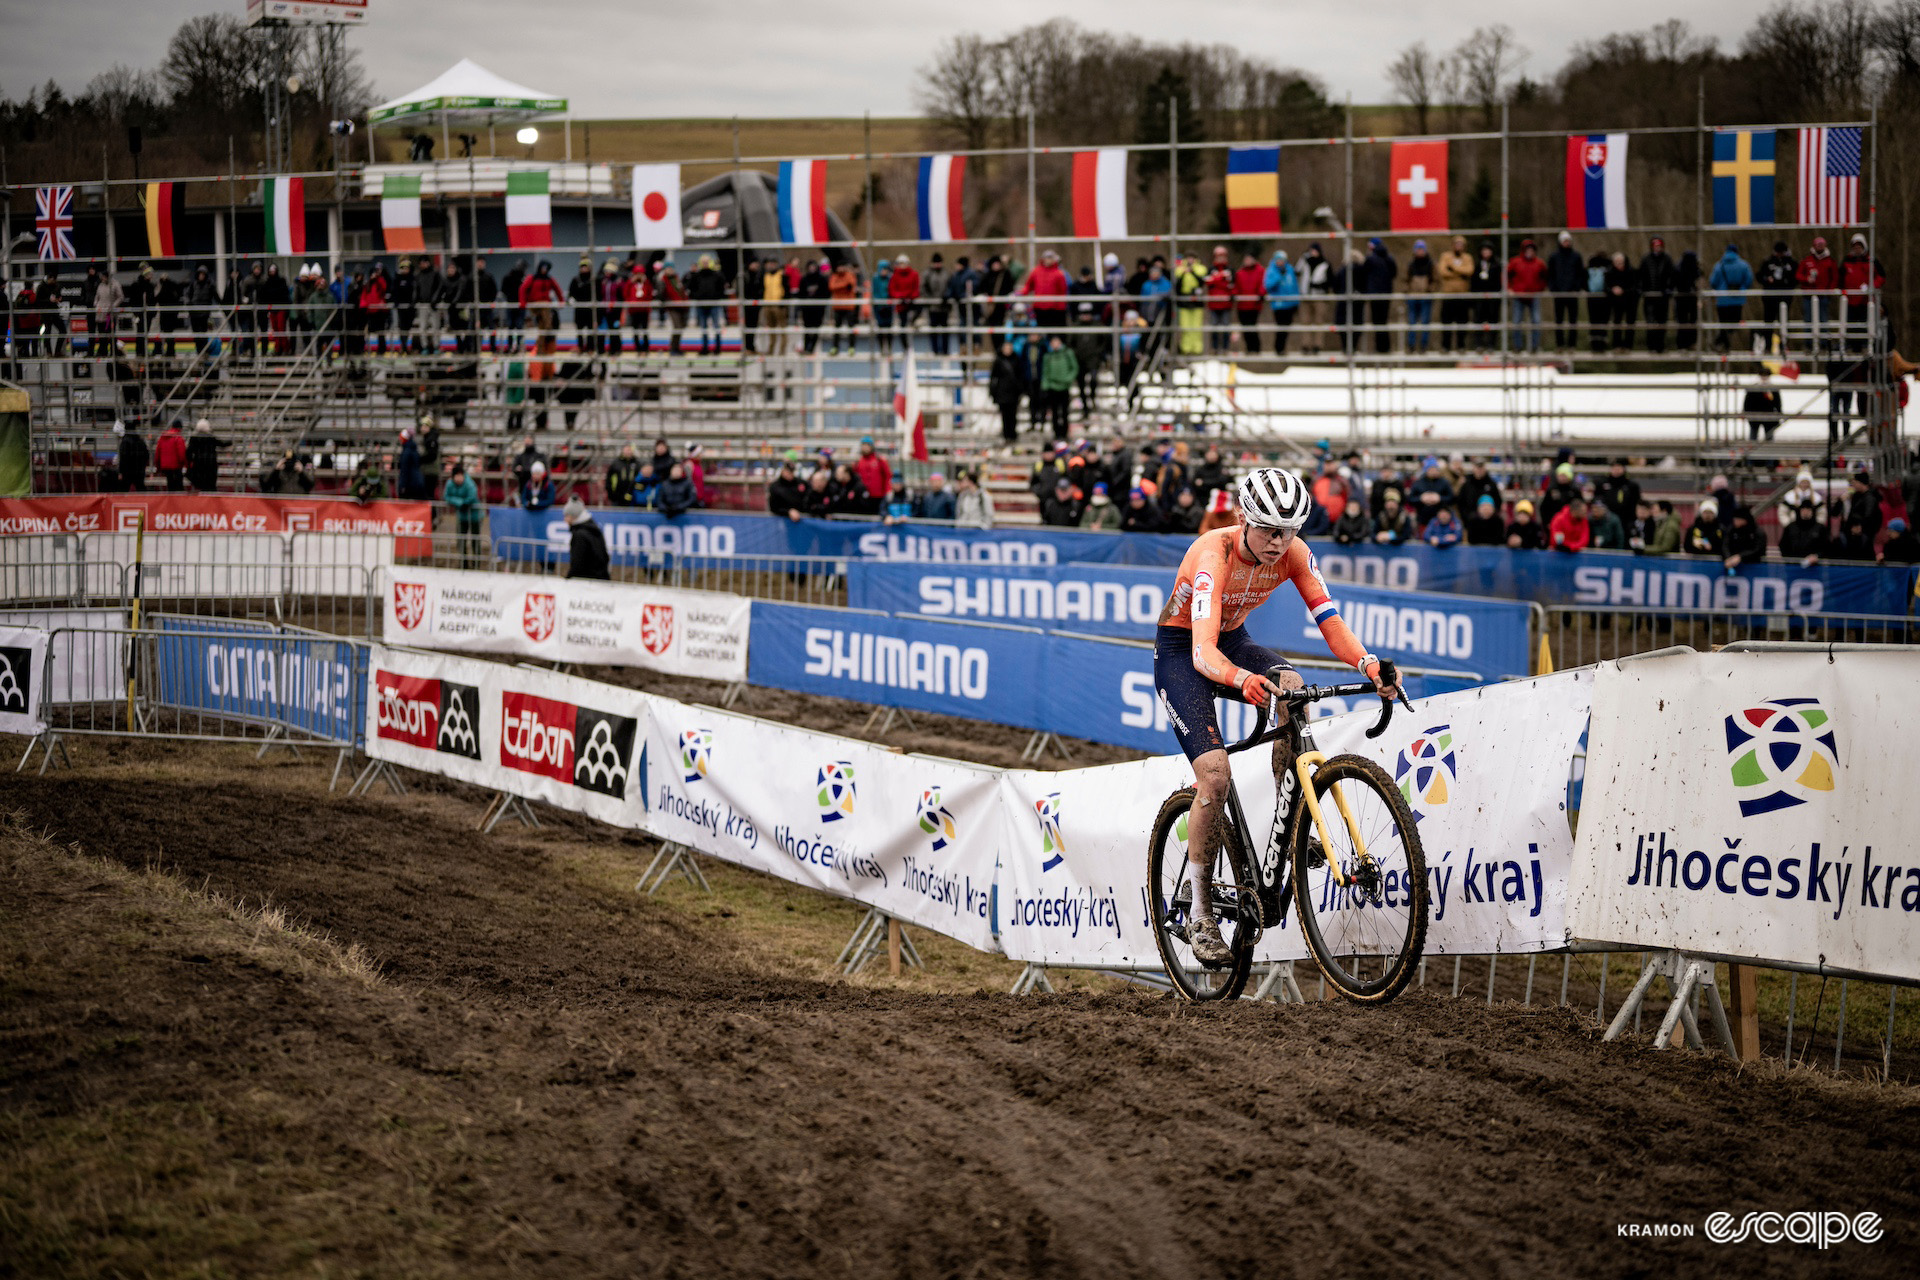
(689, 633)
(1754, 805)
(23, 664)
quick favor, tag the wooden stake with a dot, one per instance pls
(893, 946)
(1744, 1004)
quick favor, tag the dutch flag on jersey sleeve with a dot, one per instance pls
(803, 201)
(1323, 611)
(1597, 181)
(942, 184)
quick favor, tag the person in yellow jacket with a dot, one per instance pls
(1452, 275)
(773, 311)
(1190, 305)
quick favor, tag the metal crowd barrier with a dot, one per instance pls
(1579, 635)
(812, 580)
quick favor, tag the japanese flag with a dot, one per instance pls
(656, 207)
(1417, 191)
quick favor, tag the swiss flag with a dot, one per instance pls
(1417, 191)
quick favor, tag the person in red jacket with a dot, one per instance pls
(1219, 288)
(903, 286)
(1047, 285)
(540, 297)
(1569, 530)
(638, 296)
(874, 473)
(170, 458)
(1526, 281)
(1861, 278)
(1249, 291)
(1818, 276)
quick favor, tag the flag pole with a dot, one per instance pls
(1033, 251)
(139, 593)
(1508, 335)
(1173, 178)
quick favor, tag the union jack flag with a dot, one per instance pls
(53, 219)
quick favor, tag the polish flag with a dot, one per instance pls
(656, 207)
(942, 184)
(803, 201)
(1417, 190)
(529, 210)
(907, 414)
(1100, 194)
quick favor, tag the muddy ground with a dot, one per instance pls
(484, 1055)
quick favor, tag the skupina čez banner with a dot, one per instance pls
(689, 633)
(1754, 805)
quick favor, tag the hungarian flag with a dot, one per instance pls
(907, 414)
(400, 213)
(942, 184)
(166, 218)
(1100, 194)
(656, 207)
(529, 210)
(1417, 190)
(284, 202)
(1253, 191)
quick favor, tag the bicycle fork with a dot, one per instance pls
(1298, 781)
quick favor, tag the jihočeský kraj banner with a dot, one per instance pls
(915, 836)
(23, 666)
(1755, 805)
(689, 633)
(1484, 770)
(573, 743)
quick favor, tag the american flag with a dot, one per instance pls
(53, 219)
(1829, 177)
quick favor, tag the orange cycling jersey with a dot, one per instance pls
(1218, 587)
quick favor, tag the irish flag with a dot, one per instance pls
(400, 214)
(284, 202)
(529, 210)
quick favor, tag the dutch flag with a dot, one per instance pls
(803, 201)
(942, 183)
(1597, 181)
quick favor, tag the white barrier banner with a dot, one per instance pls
(337, 564)
(89, 661)
(177, 566)
(567, 741)
(1485, 771)
(39, 566)
(915, 836)
(1756, 805)
(23, 665)
(689, 633)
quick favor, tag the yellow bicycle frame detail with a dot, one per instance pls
(1301, 766)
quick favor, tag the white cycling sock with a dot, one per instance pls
(1202, 873)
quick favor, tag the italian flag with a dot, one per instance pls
(400, 213)
(529, 210)
(284, 202)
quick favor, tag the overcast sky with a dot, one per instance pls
(822, 58)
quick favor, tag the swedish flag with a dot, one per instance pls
(1743, 172)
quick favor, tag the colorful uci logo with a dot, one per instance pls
(1783, 751)
(696, 753)
(935, 820)
(1424, 772)
(1052, 847)
(835, 797)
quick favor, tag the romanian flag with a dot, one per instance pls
(166, 218)
(283, 201)
(400, 214)
(529, 209)
(1253, 191)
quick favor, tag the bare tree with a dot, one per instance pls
(1485, 62)
(957, 90)
(1415, 77)
(120, 92)
(213, 68)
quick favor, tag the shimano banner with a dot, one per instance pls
(1077, 686)
(1419, 629)
(1754, 805)
(241, 671)
(1591, 577)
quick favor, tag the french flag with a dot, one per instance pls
(1597, 181)
(1100, 194)
(942, 183)
(803, 201)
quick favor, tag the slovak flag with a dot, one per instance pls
(1417, 189)
(1597, 181)
(907, 414)
(942, 184)
(1100, 194)
(803, 201)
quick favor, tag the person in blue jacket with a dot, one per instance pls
(1731, 279)
(1283, 296)
(1443, 530)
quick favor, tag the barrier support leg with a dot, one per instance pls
(339, 763)
(504, 804)
(1032, 978)
(277, 737)
(1631, 1004)
(667, 860)
(873, 937)
(48, 742)
(1278, 985)
(377, 771)
(731, 694)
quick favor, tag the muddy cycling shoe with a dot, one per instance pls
(1209, 948)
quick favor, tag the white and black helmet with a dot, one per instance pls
(1275, 498)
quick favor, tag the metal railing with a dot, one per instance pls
(1579, 635)
(812, 580)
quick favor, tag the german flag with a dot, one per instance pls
(166, 218)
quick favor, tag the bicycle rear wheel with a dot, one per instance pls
(1170, 890)
(1366, 935)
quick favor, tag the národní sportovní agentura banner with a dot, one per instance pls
(1421, 629)
(573, 743)
(1671, 583)
(690, 633)
(411, 522)
(255, 671)
(1485, 770)
(1754, 805)
(916, 836)
(23, 665)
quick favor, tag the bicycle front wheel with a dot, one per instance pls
(1368, 933)
(1170, 891)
